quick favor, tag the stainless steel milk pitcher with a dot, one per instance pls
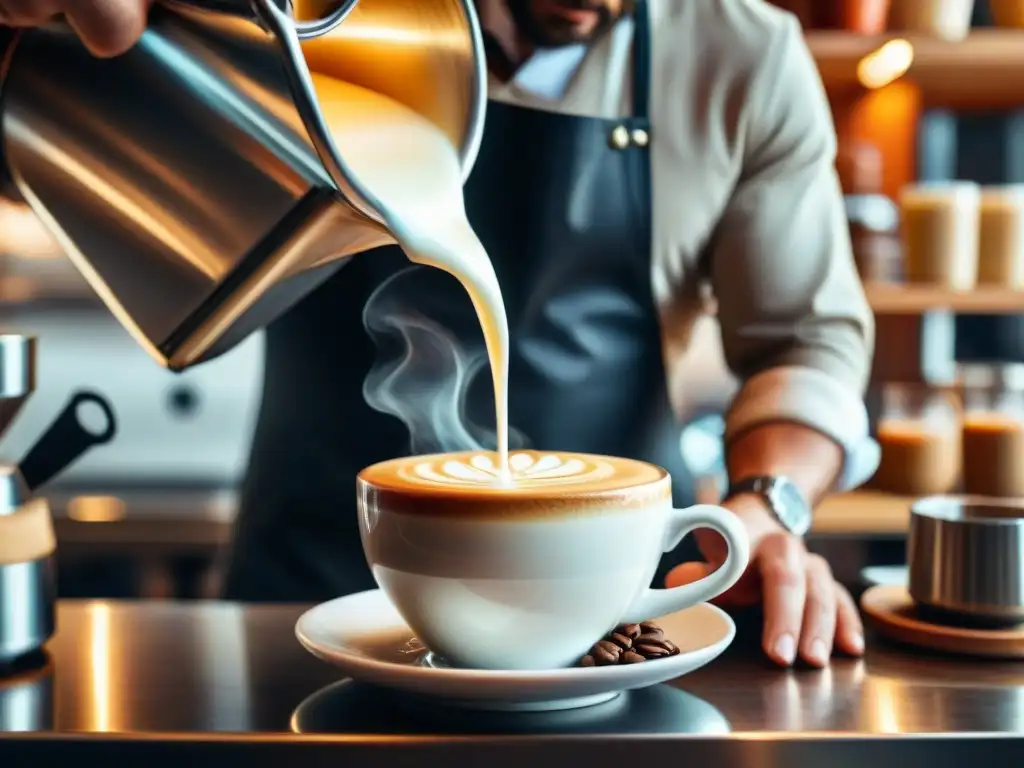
(193, 180)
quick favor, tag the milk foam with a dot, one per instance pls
(526, 470)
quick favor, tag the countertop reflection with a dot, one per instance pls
(194, 670)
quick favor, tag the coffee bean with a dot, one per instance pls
(649, 637)
(622, 641)
(630, 644)
(651, 651)
(605, 653)
(632, 631)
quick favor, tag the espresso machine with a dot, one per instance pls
(194, 181)
(28, 586)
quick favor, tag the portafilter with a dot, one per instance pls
(28, 587)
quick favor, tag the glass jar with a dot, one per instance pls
(874, 235)
(919, 434)
(1001, 236)
(993, 429)
(939, 230)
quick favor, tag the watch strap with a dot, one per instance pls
(795, 517)
(758, 484)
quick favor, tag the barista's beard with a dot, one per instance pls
(542, 36)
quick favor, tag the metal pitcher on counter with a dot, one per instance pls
(193, 180)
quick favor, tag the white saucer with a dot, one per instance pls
(364, 636)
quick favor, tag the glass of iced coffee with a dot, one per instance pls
(993, 429)
(1001, 236)
(939, 225)
(919, 434)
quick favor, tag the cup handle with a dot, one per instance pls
(653, 603)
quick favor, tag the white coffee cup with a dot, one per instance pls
(529, 576)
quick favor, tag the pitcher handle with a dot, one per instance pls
(256, 11)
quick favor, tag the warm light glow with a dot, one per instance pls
(99, 666)
(882, 701)
(22, 234)
(437, 38)
(885, 65)
(887, 118)
(96, 509)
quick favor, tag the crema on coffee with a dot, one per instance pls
(540, 482)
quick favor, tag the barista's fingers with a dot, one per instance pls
(781, 561)
(107, 27)
(28, 13)
(849, 628)
(819, 613)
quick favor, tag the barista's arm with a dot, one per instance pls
(796, 327)
(797, 331)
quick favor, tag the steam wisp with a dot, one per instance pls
(423, 373)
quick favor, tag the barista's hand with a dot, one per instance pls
(806, 612)
(107, 27)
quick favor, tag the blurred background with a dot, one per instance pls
(149, 512)
(920, 99)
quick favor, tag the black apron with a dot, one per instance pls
(564, 212)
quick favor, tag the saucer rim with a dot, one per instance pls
(610, 673)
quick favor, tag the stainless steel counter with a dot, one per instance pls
(208, 682)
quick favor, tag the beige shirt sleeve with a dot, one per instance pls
(796, 327)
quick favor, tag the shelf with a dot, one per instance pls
(983, 71)
(863, 513)
(891, 299)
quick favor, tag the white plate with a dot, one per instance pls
(366, 638)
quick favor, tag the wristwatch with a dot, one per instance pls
(783, 498)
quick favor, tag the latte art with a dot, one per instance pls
(536, 483)
(527, 470)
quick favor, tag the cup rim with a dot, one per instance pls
(647, 488)
(950, 508)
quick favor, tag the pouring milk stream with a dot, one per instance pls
(410, 164)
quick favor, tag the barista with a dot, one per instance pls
(632, 155)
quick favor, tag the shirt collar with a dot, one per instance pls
(546, 72)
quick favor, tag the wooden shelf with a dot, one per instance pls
(863, 513)
(891, 299)
(983, 71)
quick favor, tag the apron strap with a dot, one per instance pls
(641, 60)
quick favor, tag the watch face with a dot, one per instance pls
(790, 506)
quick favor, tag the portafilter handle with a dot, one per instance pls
(261, 12)
(67, 439)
